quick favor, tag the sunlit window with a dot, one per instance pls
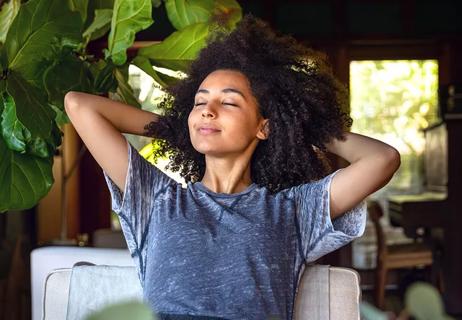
(393, 100)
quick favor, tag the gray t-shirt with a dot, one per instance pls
(236, 256)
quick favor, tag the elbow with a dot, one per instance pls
(71, 101)
(392, 160)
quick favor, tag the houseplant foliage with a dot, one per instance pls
(124, 310)
(44, 53)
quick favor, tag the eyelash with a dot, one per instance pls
(202, 103)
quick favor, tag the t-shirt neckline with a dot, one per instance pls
(199, 185)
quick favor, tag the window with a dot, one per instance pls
(393, 100)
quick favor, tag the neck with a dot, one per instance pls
(227, 174)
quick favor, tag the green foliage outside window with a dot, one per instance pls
(393, 100)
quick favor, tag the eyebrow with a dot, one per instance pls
(226, 90)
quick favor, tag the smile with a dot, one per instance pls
(207, 130)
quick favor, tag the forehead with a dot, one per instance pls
(226, 78)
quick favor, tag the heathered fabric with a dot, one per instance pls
(235, 256)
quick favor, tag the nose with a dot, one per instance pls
(207, 112)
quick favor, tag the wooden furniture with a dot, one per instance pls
(440, 206)
(396, 256)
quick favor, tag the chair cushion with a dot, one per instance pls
(324, 293)
(94, 287)
(328, 293)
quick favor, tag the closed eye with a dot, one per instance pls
(225, 103)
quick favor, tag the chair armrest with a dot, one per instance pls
(327, 293)
(46, 259)
(56, 294)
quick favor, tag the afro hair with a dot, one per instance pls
(295, 89)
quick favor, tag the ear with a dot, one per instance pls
(263, 133)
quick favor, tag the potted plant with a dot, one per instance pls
(44, 53)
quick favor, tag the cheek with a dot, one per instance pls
(192, 118)
(190, 121)
(247, 125)
(244, 131)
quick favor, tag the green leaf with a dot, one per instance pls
(103, 4)
(14, 132)
(66, 73)
(129, 17)
(183, 13)
(61, 116)
(2, 89)
(178, 50)
(156, 3)
(40, 26)
(124, 90)
(123, 311)
(94, 5)
(103, 77)
(144, 64)
(80, 6)
(150, 152)
(33, 113)
(100, 26)
(8, 12)
(227, 13)
(24, 179)
(3, 63)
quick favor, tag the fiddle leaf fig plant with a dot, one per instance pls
(45, 52)
(8, 12)
(128, 17)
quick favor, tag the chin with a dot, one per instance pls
(209, 150)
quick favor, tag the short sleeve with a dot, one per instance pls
(319, 234)
(144, 183)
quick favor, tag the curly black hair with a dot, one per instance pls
(295, 89)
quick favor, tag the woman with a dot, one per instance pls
(248, 129)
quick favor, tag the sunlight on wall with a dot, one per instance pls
(150, 94)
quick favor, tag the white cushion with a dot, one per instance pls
(46, 259)
(94, 287)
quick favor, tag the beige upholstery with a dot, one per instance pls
(338, 288)
(324, 293)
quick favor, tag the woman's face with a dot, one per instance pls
(225, 119)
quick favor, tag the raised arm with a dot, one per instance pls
(100, 123)
(372, 165)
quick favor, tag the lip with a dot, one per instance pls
(207, 129)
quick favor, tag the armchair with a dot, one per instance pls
(324, 292)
